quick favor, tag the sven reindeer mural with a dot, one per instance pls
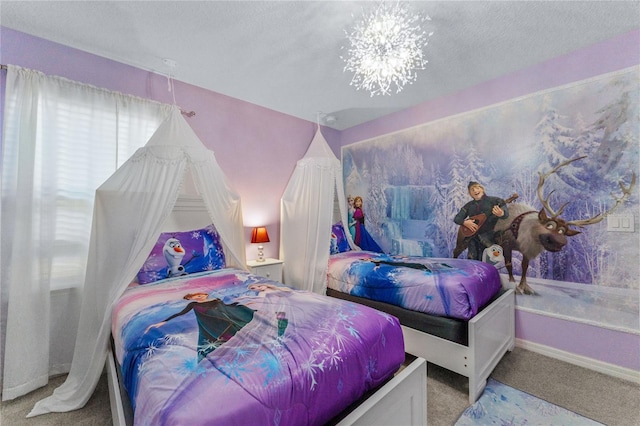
(531, 232)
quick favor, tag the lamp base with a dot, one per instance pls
(260, 254)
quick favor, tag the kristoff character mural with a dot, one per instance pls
(478, 218)
(528, 230)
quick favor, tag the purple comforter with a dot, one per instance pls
(247, 352)
(455, 288)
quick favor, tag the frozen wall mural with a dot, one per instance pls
(413, 182)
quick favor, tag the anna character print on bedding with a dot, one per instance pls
(217, 321)
(257, 353)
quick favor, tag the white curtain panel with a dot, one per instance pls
(61, 140)
(130, 210)
(307, 207)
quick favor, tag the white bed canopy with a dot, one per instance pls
(307, 213)
(131, 209)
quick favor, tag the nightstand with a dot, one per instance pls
(270, 268)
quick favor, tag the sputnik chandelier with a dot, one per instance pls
(386, 49)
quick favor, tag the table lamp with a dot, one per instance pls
(260, 235)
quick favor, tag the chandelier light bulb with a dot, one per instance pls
(386, 49)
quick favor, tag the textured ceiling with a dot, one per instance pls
(286, 55)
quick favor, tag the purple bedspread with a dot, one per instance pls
(246, 354)
(455, 288)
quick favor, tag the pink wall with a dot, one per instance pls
(256, 147)
(615, 347)
(611, 346)
(611, 55)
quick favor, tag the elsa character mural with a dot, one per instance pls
(351, 221)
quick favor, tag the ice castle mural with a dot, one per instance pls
(413, 182)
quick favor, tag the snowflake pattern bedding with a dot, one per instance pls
(454, 288)
(228, 347)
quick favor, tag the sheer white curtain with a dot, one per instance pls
(131, 208)
(306, 216)
(61, 140)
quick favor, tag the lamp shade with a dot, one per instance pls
(259, 235)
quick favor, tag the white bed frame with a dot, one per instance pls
(115, 400)
(402, 400)
(491, 335)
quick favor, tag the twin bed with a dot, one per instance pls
(217, 345)
(454, 312)
(195, 339)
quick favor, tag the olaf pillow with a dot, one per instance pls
(181, 253)
(339, 243)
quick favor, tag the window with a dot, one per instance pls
(86, 155)
(62, 140)
(79, 136)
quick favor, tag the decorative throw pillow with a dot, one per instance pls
(339, 243)
(182, 253)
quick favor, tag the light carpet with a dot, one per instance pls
(500, 404)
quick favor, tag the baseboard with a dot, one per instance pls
(582, 361)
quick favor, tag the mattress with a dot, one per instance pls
(247, 350)
(453, 288)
